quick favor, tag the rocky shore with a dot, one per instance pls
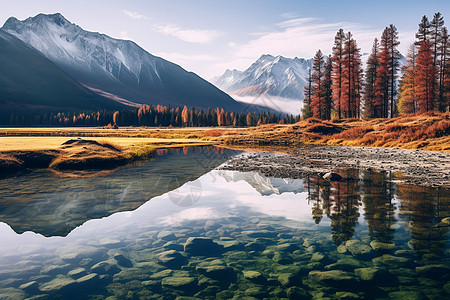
(426, 168)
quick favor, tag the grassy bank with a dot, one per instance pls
(425, 132)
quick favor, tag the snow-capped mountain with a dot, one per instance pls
(269, 75)
(265, 185)
(31, 82)
(118, 67)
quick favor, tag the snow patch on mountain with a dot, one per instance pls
(269, 75)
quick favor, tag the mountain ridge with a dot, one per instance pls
(118, 67)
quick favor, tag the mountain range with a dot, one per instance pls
(28, 80)
(116, 69)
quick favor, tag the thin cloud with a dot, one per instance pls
(300, 37)
(135, 15)
(199, 36)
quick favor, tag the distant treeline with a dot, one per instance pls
(151, 116)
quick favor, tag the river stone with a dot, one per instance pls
(202, 246)
(218, 272)
(173, 246)
(11, 294)
(257, 292)
(232, 245)
(122, 260)
(357, 248)
(60, 283)
(255, 276)
(433, 270)
(342, 249)
(153, 285)
(317, 256)
(166, 235)
(410, 295)
(288, 279)
(347, 296)
(77, 273)
(74, 254)
(179, 283)
(282, 259)
(260, 234)
(447, 288)
(105, 267)
(297, 293)
(370, 274)
(172, 259)
(287, 247)
(335, 277)
(162, 274)
(55, 269)
(30, 287)
(382, 247)
(389, 261)
(345, 264)
(90, 279)
(332, 176)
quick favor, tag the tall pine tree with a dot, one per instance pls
(317, 105)
(370, 103)
(338, 60)
(351, 78)
(426, 78)
(407, 91)
(308, 92)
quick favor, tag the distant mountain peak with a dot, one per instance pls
(268, 75)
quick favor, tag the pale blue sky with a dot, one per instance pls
(207, 37)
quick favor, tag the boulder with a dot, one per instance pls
(122, 260)
(255, 277)
(202, 246)
(60, 283)
(358, 248)
(218, 272)
(297, 293)
(179, 283)
(172, 259)
(336, 278)
(382, 247)
(370, 274)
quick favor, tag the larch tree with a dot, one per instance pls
(394, 57)
(338, 60)
(326, 88)
(308, 92)
(351, 78)
(436, 26)
(426, 78)
(407, 90)
(317, 106)
(369, 96)
(185, 116)
(444, 73)
(423, 33)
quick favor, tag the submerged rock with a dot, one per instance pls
(370, 274)
(179, 283)
(202, 246)
(358, 248)
(58, 284)
(390, 261)
(382, 247)
(255, 277)
(334, 277)
(218, 272)
(122, 260)
(297, 293)
(172, 259)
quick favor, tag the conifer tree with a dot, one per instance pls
(394, 64)
(351, 78)
(338, 60)
(327, 92)
(317, 104)
(436, 26)
(407, 90)
(423, 34)
(308, 92)
(370, 103)
(426, 78)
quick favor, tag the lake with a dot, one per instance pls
(177, 226)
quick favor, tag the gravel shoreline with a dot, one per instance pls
(425, 168)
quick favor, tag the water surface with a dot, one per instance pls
(122, 235)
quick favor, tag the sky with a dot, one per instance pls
(207, 36)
